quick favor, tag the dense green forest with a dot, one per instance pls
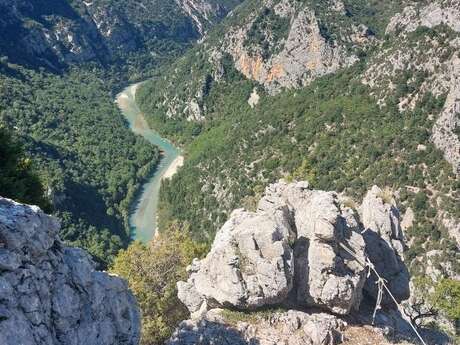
(90, 164)
(331, 133)
(60, 69)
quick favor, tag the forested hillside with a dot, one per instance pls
(60, 69)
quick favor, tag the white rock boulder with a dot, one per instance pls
(51, 294)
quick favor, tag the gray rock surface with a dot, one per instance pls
(291, 251)
(433, 14)
(51, 294)
(444, 130)
(384, 243)
(291, 327)
(294, 327)
(249, 265)
(325, 275)
(453, 227)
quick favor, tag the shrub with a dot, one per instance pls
(152, 271)
(420, 201)
(17, 176)
(447, 298)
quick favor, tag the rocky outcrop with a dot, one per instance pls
(434, 14)
(290, 273)
(292, 61)
(446, 129)
(325, 275)
(250, 264)
(291, 327)
(452, 226)
(201, 12)
(296, 250)
(384, 243)
(50, 293)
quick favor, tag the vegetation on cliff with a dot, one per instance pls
(152, 272)
(60, 69)
(337, 132)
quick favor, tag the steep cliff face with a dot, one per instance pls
(63, 32)
(50, 293)
(283, 46)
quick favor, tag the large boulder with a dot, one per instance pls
(249, 265)
(51, 294)
(290, 251)
(384, 244)
(326, 276)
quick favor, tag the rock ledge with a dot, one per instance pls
(51, 294)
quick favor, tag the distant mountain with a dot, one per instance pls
(59, 32)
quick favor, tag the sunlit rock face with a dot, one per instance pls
(50, 293)
(295, 249)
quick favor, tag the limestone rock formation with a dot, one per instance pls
(291, 327)
(325, 275)
(292, 251)
(249, 265)
(51, 294)
(282, 44)
(431, 15)
(384, 243)
(201, 12)
(444, 130)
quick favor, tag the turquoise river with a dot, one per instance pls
(143, 215)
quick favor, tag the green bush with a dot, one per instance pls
(152, 272)
(18, 178)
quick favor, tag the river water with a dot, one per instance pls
(143, 215)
